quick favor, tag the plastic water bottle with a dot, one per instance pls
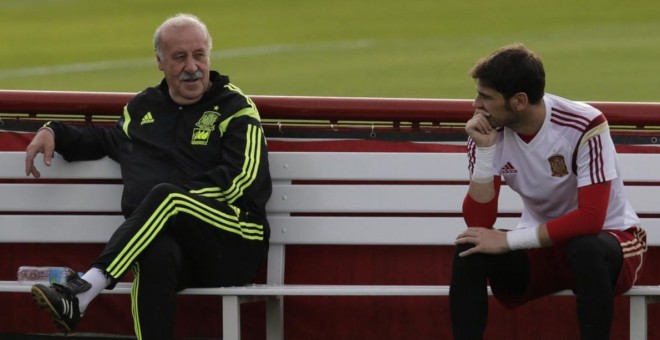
(31, 275)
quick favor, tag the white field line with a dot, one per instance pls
(222, 54)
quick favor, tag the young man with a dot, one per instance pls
(577, 230)
(196, 181)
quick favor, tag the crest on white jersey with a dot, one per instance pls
(558, 166)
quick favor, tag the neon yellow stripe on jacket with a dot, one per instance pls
(127, 121)
(249, 169)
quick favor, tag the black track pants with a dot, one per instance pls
(175, 240)
(593, 262)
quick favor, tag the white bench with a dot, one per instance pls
(349, 198)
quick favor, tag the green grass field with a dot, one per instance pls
(605, 50)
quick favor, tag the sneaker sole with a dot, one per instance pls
(42, 301)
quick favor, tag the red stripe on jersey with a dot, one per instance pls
(600, 119)
(596, 172)
(592, 155)
(596, 163)
(566, 119)
(568, 115)
(566, 124)
(601, 166)
(472, 149)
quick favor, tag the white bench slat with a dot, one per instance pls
(643, 199)
(324, 165)
(280, 290)
(369, 166)
(320, 290)
(13, 166)
(61, 197)
(363, 290)
(405, 198)
(640, 167)
(369, 230)
(285, 229)
(288, 198)
(376, 166)
(58, 228)
(652, 228)
(390, 198)
(305, 165)
(391, 230)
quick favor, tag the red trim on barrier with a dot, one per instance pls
(309, 108)
(306, 145)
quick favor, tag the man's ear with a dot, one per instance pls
(160, 66)
(519, 101)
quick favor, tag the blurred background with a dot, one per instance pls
(594, 50)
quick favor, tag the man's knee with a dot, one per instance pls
(587, 246)
(472, 263)
(591, 253)
(162, 253)
(162, 190)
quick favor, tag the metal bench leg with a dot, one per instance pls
(231, 318)
(274, 319)
(638, 328)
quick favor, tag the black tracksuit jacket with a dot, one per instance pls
(215, 147)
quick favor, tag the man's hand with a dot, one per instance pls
(43, 142)
(479, 129)
(487, 241)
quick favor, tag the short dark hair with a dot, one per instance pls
(512, 69)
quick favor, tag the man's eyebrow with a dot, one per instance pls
(483, 94)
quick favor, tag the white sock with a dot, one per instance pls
(96, 277)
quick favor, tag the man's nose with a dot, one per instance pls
(191, 65)
(477, 104)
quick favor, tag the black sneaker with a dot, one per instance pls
(61, 301)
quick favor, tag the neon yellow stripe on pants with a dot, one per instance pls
(172, 205)
(134, 301)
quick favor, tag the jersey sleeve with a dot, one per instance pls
(472, 159)
(595, 160)
(478, 214)
(587, 219)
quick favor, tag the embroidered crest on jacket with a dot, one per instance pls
(204, 127)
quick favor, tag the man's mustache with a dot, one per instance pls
(191, 76)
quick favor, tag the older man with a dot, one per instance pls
(196, 181)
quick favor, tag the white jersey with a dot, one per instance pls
(572, 149)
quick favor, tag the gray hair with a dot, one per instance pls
(181, 20)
